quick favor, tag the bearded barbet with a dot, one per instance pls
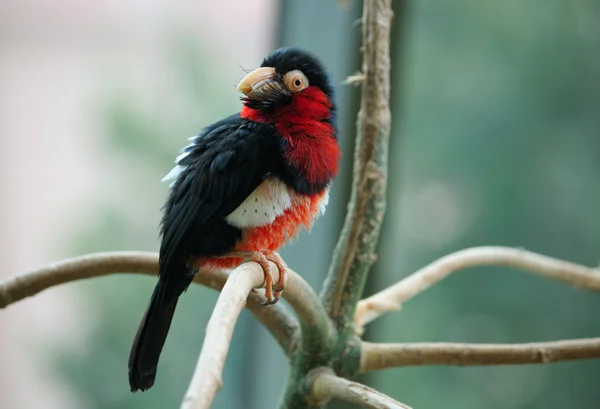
(243, 187)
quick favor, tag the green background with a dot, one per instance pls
(495, 141)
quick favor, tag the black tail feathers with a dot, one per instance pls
(150, 338)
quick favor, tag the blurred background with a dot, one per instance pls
(496, 140)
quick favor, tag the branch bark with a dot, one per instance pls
(391, 298)
(355, 250)
(327, 385)
(277, 319)
(206, 380)
(382, 356)
(317, 330)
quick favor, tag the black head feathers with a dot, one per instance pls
(292, 58)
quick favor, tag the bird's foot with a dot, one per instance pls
(281, 267)
(272, 293)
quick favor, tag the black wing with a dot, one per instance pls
(220, 169)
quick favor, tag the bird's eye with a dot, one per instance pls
(295, 81)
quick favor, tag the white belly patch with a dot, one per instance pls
(269, 200)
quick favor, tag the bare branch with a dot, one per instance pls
(327, 385)
(381, 356)
(317, 330)
(277, 319)
(355, 250)
(392, 297)
(16, 288)
(219, 330)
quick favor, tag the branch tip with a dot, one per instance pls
(355, 79)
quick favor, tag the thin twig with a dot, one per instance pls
(355, 79)
(392, 297)
(382, 356)
(277, 319)
(327, 385)
(355, 250)
(206, 380)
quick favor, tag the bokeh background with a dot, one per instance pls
(496, 140)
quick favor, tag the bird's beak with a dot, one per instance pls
(256, 79)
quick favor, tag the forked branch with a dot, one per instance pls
(391, 298)
(327, 385)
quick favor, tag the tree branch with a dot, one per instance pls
(317, 330)
(277, 319)
(392, 297)
(206, 380)
(382, 356)
(355, 250)
(327, 385)
(16, 288)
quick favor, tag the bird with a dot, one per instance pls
(242, 188)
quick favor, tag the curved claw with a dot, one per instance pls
(274, 300)
(281, 267)
(272, 292)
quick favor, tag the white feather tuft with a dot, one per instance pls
(174, 173)
(182, 156)
(324, 202)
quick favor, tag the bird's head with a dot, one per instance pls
(289, 81)
(292, 91)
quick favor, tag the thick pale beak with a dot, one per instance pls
(255, 79)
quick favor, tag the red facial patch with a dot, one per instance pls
(271, 237)
(313, 148)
